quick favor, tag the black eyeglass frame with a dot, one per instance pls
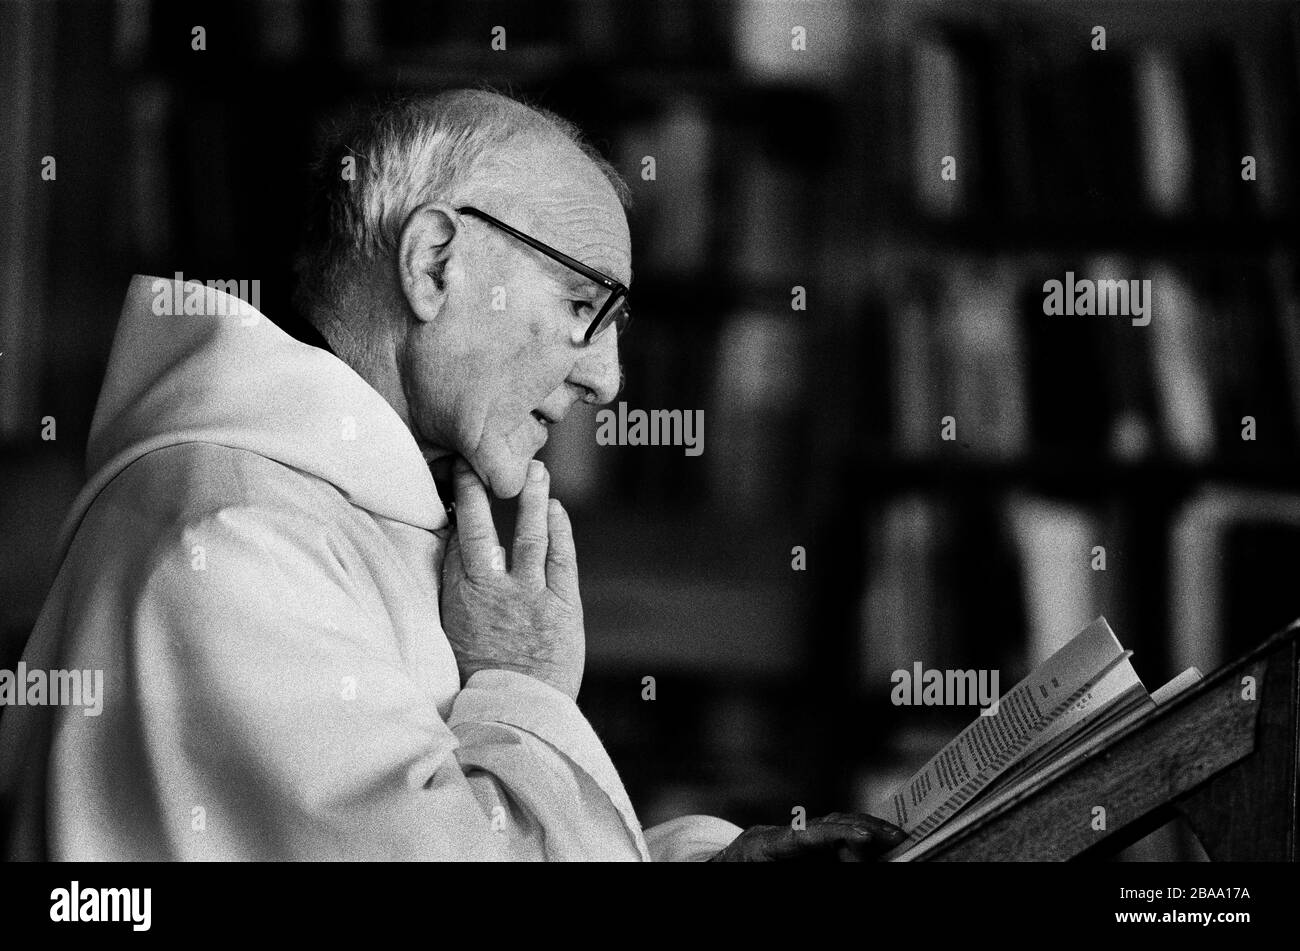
(618, 290)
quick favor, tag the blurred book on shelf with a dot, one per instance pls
(758, 383)
(981, 376)
(1284, 273)
(790, 40)
(772, 225)
(938, 579)
(1163, 127)
(1234, 558)
(1246, 345)
(1210, 77)
(149, 217)
(914, 370)
(1266, 137)
(1181, 367)
(900, 621)
(674, 210)
(24, 203)
(1126, 396)
(1054, 542)
(942, 130)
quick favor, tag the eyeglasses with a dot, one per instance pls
(615, 311)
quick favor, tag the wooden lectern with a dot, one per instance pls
(1223, 755)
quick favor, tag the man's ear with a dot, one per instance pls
(424, 257)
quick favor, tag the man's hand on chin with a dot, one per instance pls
(838, 837)
(527, 618)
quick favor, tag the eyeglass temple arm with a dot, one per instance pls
(586, 271)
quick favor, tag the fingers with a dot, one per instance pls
(561, 556)
(846, 836)
(871, 837)
(474, 526)
(452, 562)
(531, 528)
(786, 843)
(865, 823)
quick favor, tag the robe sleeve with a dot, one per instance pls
(690, 838)
(270, 694)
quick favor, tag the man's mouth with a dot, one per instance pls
(542, 418)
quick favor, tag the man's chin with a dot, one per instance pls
(506, 481)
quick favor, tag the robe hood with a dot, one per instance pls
(191, 363)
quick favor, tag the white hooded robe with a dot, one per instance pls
(254, 566)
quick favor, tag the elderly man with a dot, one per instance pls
(302, 657)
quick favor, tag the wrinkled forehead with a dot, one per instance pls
(560, 197)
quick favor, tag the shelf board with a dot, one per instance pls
(1142, 234)
(1085, 476)
(697, 592)
(649, 624)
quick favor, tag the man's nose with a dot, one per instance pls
(597, 370)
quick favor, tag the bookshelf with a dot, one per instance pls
(777, 169)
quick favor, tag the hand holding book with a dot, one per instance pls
(837, 837)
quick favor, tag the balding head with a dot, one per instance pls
(460, 146)
(474, 337)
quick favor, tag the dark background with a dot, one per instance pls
(775, 168)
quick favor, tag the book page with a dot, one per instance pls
(1114, 697)
(1076, 749)
(1031, 714)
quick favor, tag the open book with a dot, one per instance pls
(1061, 713)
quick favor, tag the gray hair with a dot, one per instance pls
(412, 151)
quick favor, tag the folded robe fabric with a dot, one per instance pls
(254, 566)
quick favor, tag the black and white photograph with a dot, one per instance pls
(588, 431)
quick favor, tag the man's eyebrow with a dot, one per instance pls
(580, 283)
(577, 280)
(613, 272)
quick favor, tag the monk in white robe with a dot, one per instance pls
(254, 565)
(301, 657)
